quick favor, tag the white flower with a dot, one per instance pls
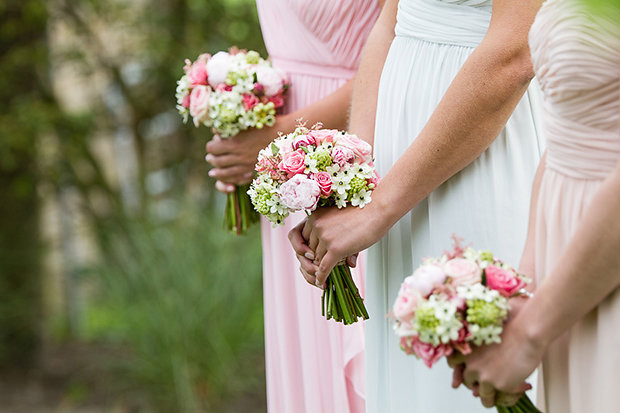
(363, 171)
(341, 183)
(270, 79)
(276, 206)
(341, 201)
(361, 199)
(485, 335)
(311, 165)
(333, 169)
(218, 67)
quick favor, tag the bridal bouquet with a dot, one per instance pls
(311, 168)
(454, 302)
(230, 92)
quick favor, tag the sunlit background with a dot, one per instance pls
(119, 289)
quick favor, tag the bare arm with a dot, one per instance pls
(471, 114)
(366, 86)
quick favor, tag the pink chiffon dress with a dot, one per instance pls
(313, 365)
(576, 57)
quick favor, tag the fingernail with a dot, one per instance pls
(212, 172)
(209, 157)
(309, 255)
(318, 284)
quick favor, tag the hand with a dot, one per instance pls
(331, 235)
(233, 158)
(305, 255)
(496, 373)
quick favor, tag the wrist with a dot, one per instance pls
(533, 329)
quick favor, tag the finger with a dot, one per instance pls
(223, 161)
(457, 375)
(522, 388)
(313, 242)
(487, 394)
(218, 146)
(224, 187)
(455, 359)
(352, 260)
(299, 243)
(310, 279)
(327, 264)
(469, 377)
(306, 229)
(233, 174)
(319, 252)
(507, 400)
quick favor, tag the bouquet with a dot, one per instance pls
(230, 92)
(454, 302)
(311, 168)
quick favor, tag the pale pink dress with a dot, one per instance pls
(313, 365)
(577, 61)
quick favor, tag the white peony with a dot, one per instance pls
(270, 79)
(218, 67)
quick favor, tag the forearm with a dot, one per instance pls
(366, 86)
(586, 273)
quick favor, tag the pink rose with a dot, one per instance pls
(374, 179)
(502, 280)
(293, 162)
(461, 344)
(428, 353)
(198, 71)
(361, 149)
(462, 272)
(325, 182)
(323, 135)
(277, 100)
(425, 279)
(342, 155)
(258, 88)
(199, 104)
(300, 192)
(249, 101)
(303, 140)
(186, 101)
(406, 303)
(223, 87)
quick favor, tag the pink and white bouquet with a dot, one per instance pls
(230, 92)
(454, 302)
(311, 168)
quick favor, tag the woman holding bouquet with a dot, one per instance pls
(318, 44)
(572, 321)
(457, 142)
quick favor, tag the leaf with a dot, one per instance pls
(274, 149)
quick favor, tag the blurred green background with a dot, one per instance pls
(119, 289)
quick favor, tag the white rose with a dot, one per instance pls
(218, 67)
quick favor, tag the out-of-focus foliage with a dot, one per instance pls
(187, 298)
(607, 8)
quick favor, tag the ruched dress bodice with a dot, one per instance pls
(576, 58)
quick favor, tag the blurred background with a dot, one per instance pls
(119, 289)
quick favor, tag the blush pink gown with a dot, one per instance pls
(313, 365)
(577, 61)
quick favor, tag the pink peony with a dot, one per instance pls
(342, 155)
(198, 71)
(199, 104)
(325, 182)
(406, 303)
(293, 162)
(300, 192)
(303, 140)
(323, 135)
(249, 101)
(503, 280)
(186, 101)
(425, 279)
(428, 353)
(361, 149)
(463, 272)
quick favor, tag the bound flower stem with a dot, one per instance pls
(341, 299)
(524, 405)
(239, 211)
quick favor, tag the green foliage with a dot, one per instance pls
(186, 296)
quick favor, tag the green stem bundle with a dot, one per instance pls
(524, 405)
(240, 213)
(341, 299)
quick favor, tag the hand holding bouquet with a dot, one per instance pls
(312, 168)
(454, 302)
(230, 92)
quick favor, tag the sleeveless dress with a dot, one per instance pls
(487, 203)
(312, 365)
(577, 59)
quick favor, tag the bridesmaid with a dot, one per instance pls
(572, 321)
(457, 143)
(319, 45)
